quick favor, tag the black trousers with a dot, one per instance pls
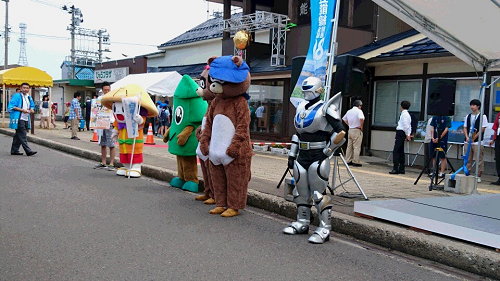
(398, 154)
(20, 137)
(427, 156)
(87, 122)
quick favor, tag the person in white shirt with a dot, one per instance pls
(354, 118)
(403, 132)
(259, 113)
(473, 120)
(106, 139)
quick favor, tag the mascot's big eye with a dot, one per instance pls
(179, 114)
(202, 83)
(213, 80)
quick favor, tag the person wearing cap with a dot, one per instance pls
(157, 119)
(53, 108)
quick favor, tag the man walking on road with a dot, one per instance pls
(106, 140)
(354, 118)
(403, 132)
(20, 107)
(75, 114)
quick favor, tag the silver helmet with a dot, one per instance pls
(312, 87)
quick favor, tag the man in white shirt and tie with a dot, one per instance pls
(354, 118)
(403, 132)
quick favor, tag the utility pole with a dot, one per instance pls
(76, 19)
(103, 40)
(72, 31)
(6, 60)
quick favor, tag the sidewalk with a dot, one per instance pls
(267, 170)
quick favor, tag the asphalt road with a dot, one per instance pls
(62, 220)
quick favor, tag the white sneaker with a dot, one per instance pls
(478, 179)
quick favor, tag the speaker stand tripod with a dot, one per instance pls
(351, 175)
(435, 181)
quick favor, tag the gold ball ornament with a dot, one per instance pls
(241, 39)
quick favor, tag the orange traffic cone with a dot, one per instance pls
(149, 137)
(95, 137)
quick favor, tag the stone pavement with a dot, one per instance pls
(267, 170)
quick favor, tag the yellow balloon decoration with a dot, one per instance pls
(242, 39)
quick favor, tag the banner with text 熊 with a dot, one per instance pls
(322, 13)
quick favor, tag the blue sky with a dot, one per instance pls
(135, 27)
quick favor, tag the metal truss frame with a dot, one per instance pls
(263, 20)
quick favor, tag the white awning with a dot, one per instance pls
(466, 28)
(158, 83)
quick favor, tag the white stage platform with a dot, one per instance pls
(473, 218)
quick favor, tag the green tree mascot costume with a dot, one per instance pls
(189, 109)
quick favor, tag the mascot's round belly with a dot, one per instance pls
(222, 134)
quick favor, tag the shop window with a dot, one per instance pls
(388, 98)
(495, 99)
(467, 90)
(266, 107)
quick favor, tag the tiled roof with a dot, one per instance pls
(208, 30)
(193, 70)
(382, 43)
(422, 47)
(257, 65)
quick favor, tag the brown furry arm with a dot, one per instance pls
(206, 134)
(165, 136)
(184, 135)
(197, 133)
(242, 128)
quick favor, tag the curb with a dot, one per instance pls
(468, 257)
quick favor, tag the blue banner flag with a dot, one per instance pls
(322, 13)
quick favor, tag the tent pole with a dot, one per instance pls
(4, 100)
(32, 114)
(50, 108)
(480, 129)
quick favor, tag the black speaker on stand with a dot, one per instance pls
(297, 64)
(349, 76)
(440, 102)
(441, 96)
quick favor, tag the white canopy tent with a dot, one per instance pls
(158, 83)
(465, 28)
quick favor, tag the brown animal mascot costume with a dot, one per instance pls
(226, 137)
(204, 92)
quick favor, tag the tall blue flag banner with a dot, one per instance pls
(322, 13)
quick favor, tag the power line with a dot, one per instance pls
(54, 37)
(48, 3)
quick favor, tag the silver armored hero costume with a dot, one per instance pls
(319, 133)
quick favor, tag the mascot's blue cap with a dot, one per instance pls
(158, 102)
(223, 68)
